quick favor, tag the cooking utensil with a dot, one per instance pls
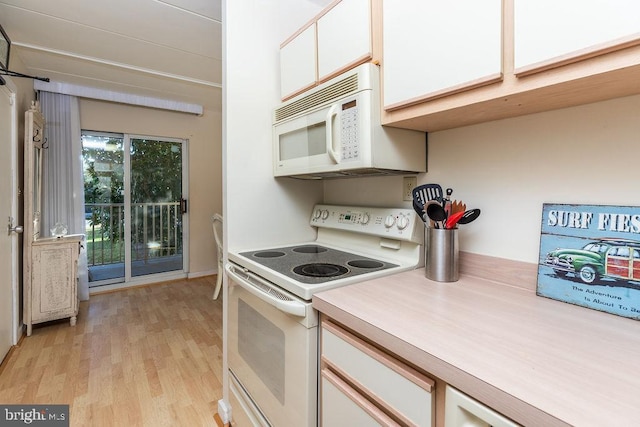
(447, 202)
(457, 206)
(423, 193)
(419, 210)
(469, 216)
(452, 220)
(436, 212)
(426, 217)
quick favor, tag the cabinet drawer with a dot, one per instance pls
(461, 410)
(395, 386)
(344, 406)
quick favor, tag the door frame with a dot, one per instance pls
(132, 281)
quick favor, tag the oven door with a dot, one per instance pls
(273, 343)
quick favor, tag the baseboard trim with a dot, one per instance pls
(6, 358)
(202, 274)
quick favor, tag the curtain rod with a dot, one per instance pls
(17, 74)
(119, 97)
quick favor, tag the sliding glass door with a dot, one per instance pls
(156, 206)
(103, 158)
(134, 206)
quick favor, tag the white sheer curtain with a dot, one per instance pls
(63, 182)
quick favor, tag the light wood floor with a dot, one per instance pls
(148, 356)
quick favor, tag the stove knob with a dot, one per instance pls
(325, 214)
(365, 219)
(389, 221)
(316, 214)
(403, 221)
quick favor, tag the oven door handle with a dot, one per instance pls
(265, 291)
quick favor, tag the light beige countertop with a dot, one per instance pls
(538, 361)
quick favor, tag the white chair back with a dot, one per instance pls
(217, 222)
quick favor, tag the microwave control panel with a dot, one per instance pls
(349, 131)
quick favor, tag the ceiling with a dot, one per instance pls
(168, 49)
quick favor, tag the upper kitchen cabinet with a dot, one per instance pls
(298, 62)
(344, 37)
(550, 33)
(336, 40)
(434, 48)
(554, 55)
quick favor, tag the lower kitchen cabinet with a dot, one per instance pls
(52, 291)
(342, 405)
(463, 411)
(363, 385)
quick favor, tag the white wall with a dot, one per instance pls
(259, 210)
(509, 168)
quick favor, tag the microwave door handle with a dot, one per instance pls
(333, 111)
(262, 291)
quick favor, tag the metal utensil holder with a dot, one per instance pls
(441, 254)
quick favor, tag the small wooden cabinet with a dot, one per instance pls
(53, 290)
(362, 385)
(336, 40)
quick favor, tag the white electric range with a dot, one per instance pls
(272, 327)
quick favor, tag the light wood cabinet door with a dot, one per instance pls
(344, 37)
(433, 48)
(550, 33)
(298, 62)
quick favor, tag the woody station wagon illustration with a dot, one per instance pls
(590, 256)
(606, 258)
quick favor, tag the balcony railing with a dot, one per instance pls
(156, 232)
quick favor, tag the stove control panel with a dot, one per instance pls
(392, 223)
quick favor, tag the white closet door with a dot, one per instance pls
(8, 241)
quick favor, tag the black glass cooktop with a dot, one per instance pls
(314, 264)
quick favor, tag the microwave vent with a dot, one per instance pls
(336, 90)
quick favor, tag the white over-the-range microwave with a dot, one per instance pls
(333, 131)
